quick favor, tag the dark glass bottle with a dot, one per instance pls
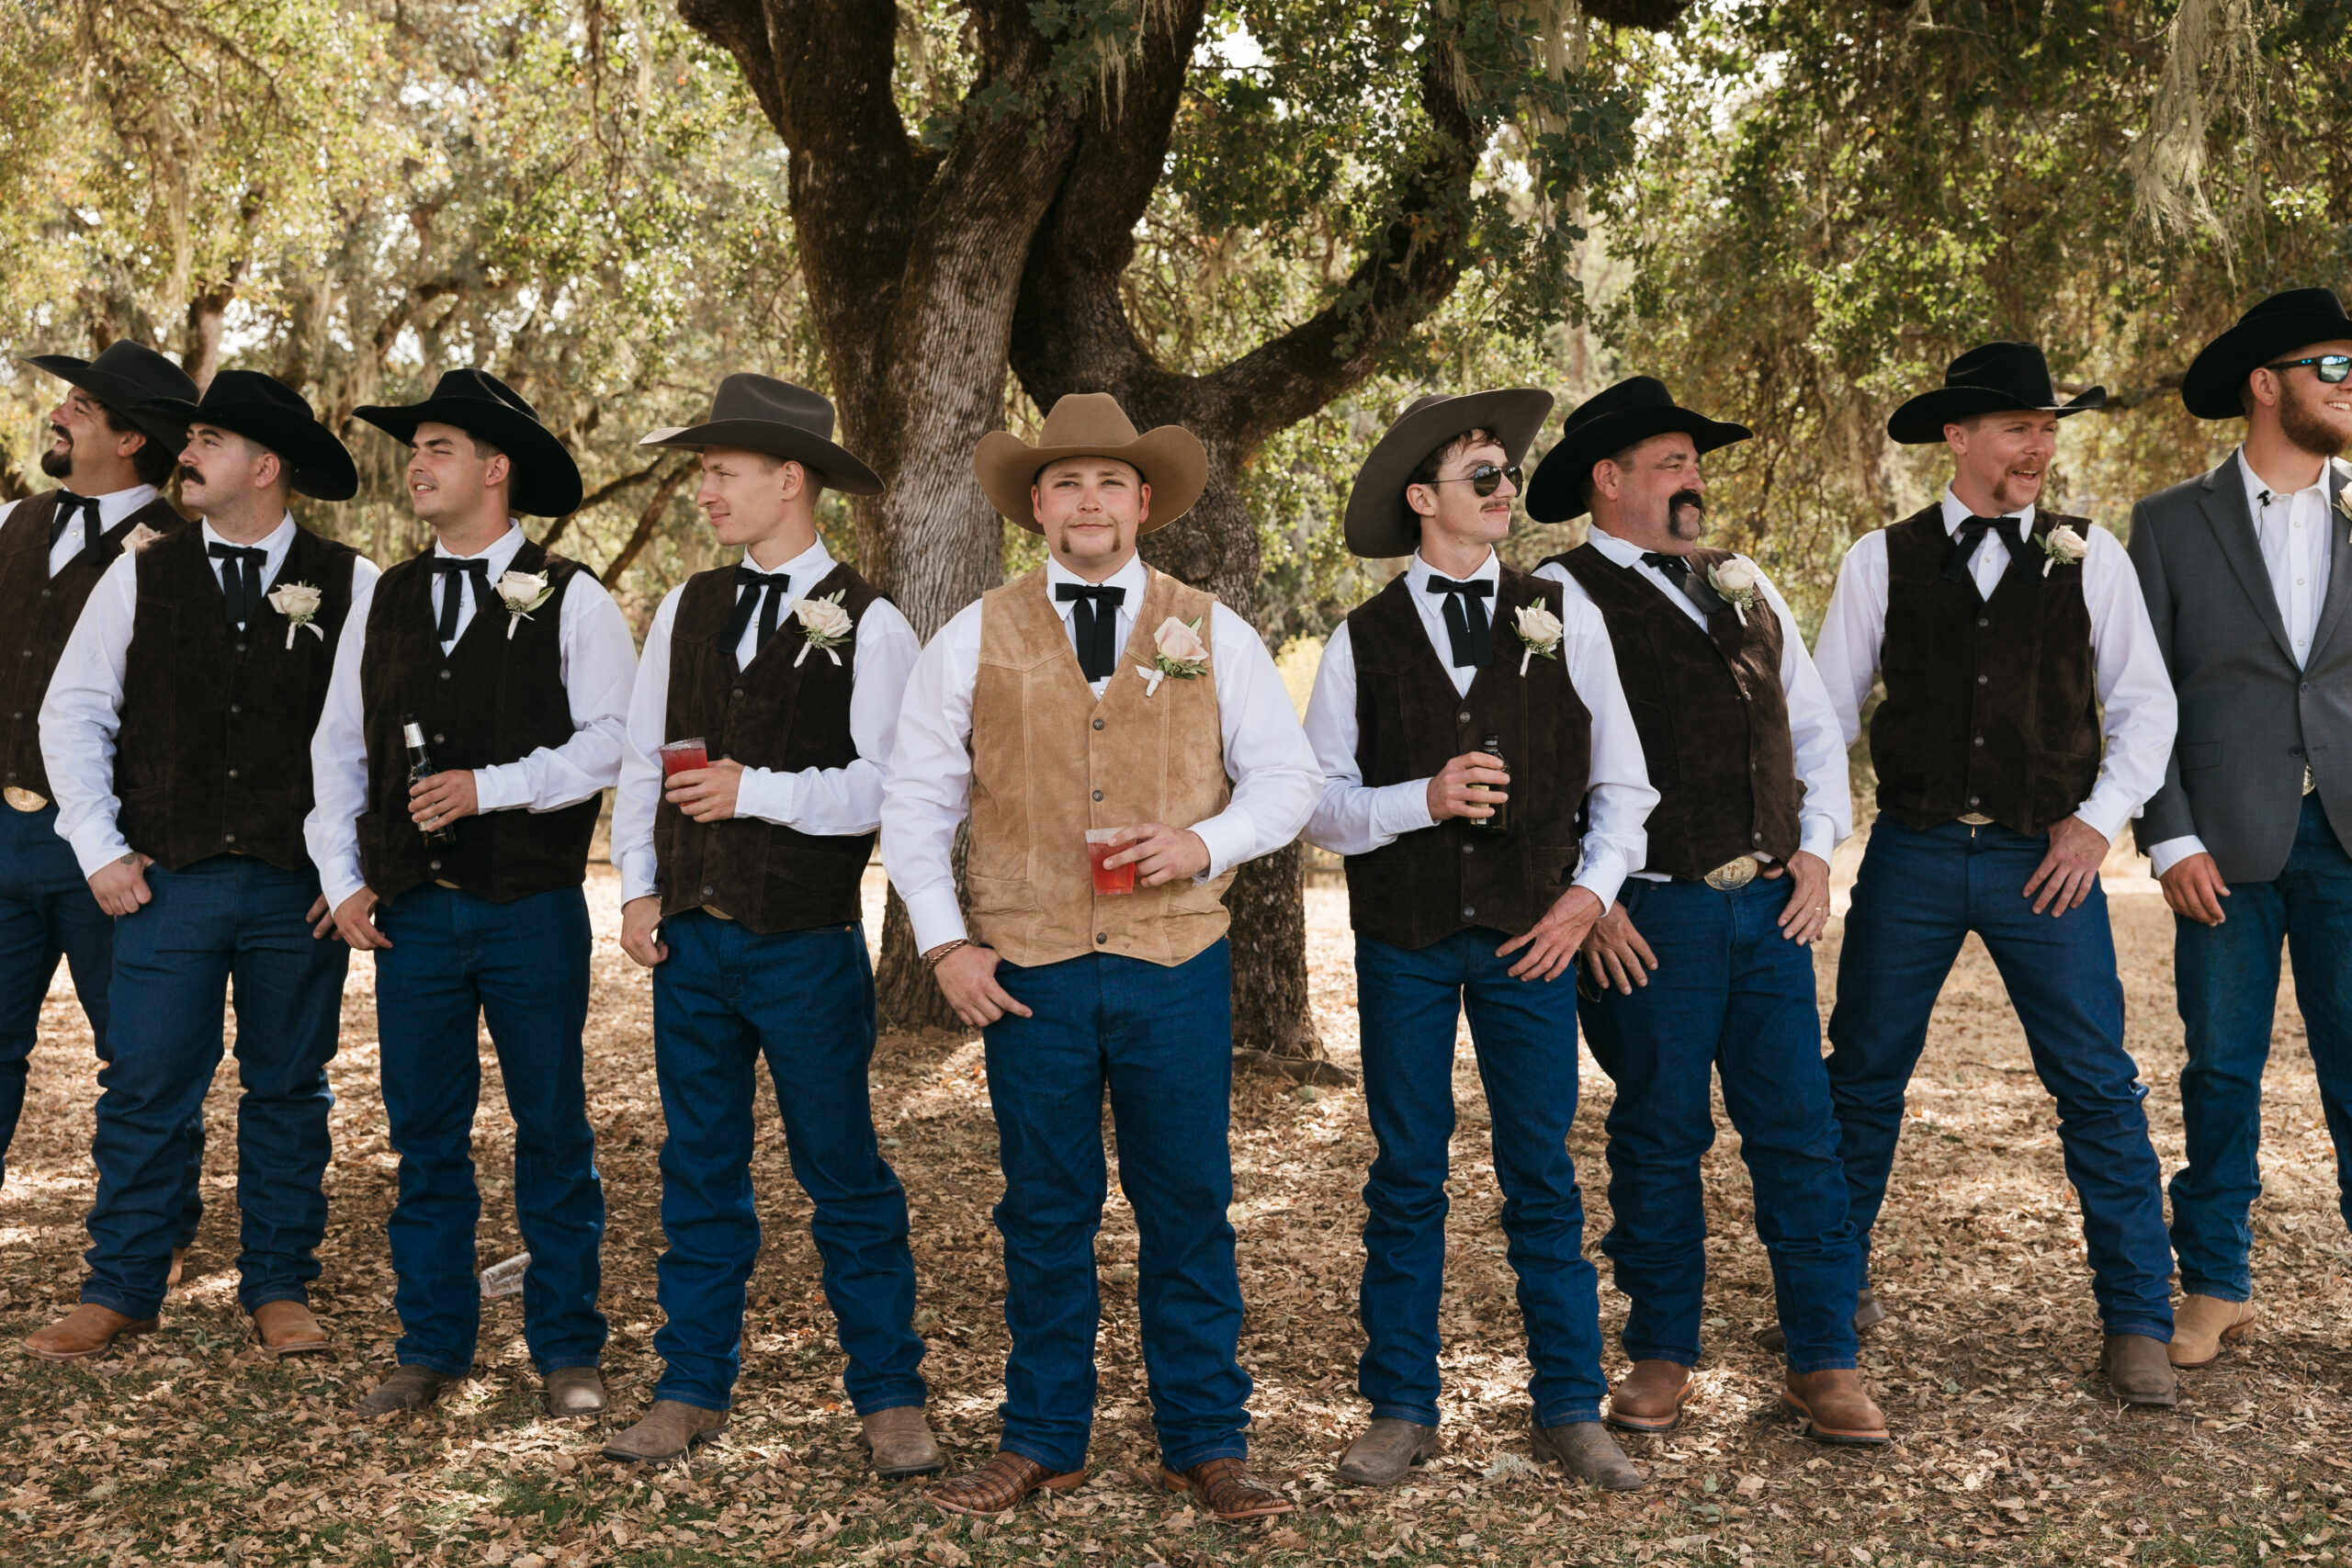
(420, 768)
(1492, 745)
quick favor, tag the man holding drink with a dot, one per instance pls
(741, 885)
(1096, 693)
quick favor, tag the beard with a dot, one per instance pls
(57, 462)
(1686, 515)
(2305, 422)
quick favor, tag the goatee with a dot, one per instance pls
(57, 465)
(2303, 423)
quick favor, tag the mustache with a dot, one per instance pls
(190, 471)
(63, 434)
(1682, 498)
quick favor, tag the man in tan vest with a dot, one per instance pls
(1096, 710)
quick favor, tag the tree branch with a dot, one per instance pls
(648, 521)
(597, 497)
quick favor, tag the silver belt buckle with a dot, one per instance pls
(2308, 787)
(1977, 819)
(1732, 874)
(28, 800)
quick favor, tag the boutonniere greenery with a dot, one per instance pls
(2063, 546)
(1734, 582)
(522, 592)
(1177, 651)
(824, 623)
(299, 602)
(1539, 634)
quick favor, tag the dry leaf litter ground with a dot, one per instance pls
(190, 1449)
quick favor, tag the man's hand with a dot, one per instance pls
(442, 798)
(2195, 889)
(968, 979)
(355, 922)
(1470, 785)
(1552, 945)
(120, 887)
(1159, 853)
(641, 930)
(2069, 871)
(1615, 954)
(1807, 914)
(707, 794)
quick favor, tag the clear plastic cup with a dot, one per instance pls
(1108, 879)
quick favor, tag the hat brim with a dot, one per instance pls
(1380, 523)
(2210, 388)
(317, 464)
(832, 463)
(1921, 421)
(1555, 490)
(1170, 459)
(546, 480)
(128, 399)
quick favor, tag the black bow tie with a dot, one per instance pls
(68, 503)
(759, 590)
(1675, 567)
(1095, 620)
(454, 573)
(240, 578)
(1694, 586)
(2012, 532)
(1465, 620)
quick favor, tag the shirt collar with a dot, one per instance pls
(1417, 572)
(2255, 488)
(1955, 514)
(276, 542)
(1612, 549)
(500, 555)
(806, 569)
(1134, 577)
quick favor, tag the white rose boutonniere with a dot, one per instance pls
(2063, 546)
(1734, 582)
(824, 623)
(2343, 502)
(1178, 651)
(299, 602)
(141, 536)
(1539, 634)
(522, 592)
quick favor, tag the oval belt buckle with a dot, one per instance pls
(1733, 874)
(1977, 819)
(27, 800)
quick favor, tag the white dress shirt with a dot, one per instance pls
(2292, 531)
(1826, 818)
(1355, 818)
(828, 802)
(2139, 712)
(1273, 773)
(113, 507)
(83, 712)
(596, 657)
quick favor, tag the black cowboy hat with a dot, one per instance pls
(544, 482)
(127, 377)
(1998, 377)
(1605, 425)
(2280, 325)
(268, 412)
(759, 414)
(1379, 521)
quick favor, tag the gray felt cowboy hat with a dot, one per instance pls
(1379, 522)
(545, 482)
(127, 377)
(269, 414)
(1605, 425)
(1093, 424)
(759, 414)
(2281, 324)
(1995, 377)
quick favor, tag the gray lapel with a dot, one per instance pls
(2333, 608)
(2233, 526)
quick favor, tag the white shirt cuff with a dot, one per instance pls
(640, 873)
(341, 882)
(1819, 837)
(1401, 808)
(2103, 815)
(1602, 876)
(97, 846)
(767, 794)
(1229, 841)
(2164, 856)
(502, 788)
(936, 917)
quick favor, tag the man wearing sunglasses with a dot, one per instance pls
(2248, 583)
(1484, 780)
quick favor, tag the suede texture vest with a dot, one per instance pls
(789, 711)
(1992, 705)
(491, 699)
(43, 609)
(214, 753)
(1712, 716)
(1425, 886)
(1049, 761)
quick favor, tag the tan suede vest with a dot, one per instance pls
(1049, 761)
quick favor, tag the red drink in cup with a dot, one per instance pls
(684, 756)
(1108, 879)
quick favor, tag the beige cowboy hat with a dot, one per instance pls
(1092, 424)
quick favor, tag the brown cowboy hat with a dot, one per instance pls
(1092, 424)
(759, 414)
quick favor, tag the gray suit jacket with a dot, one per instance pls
(2249, 718)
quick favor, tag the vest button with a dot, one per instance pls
(737, 695)
(435, 864)
(437, 737)
(1098, 723)
(1974, 801)
(1463, 715)
(1983, 622)
(1098, 795)
(444, 674)
(1983, 680)
(1468, 910)
(1755, 838)
(240, 648)
(233, 773)
(711, 892)
(228, 838)
(1101, 936)
(236, 708)
(44, 593)
(1979, 740)
(1469, 849)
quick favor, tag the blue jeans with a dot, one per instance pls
(1918, 897)
(1525, 1035)
(1160, 1041)
(805, 999)
(1731, 994)
(456, 961)
(2227, 981)
(228, 926)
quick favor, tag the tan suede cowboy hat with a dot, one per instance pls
(1092, 424)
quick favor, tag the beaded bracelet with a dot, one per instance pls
(931, 960)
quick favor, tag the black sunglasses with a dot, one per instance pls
(1486, 479)
(2329, 367)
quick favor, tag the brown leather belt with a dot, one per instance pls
(1732, 874)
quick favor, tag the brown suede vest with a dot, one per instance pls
(1712, 716)
(214, 753)
(43, 609)
(1049, 761)
(494, 699)
(1426, 885)
(787, 711)
(1992, 706)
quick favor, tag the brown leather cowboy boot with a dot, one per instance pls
(1835, 1408)
(667, 1431)
(1388, 1451)
(900, 1441)
(89, 1330)
(1225, 1490)
(1650, 1397)
(1587, 1451)
(2202, 1324)
(2139, 1371)
(287, 1329)
(998, 1485)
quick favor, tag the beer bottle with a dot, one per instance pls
(1492, 745)
(420, 768)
